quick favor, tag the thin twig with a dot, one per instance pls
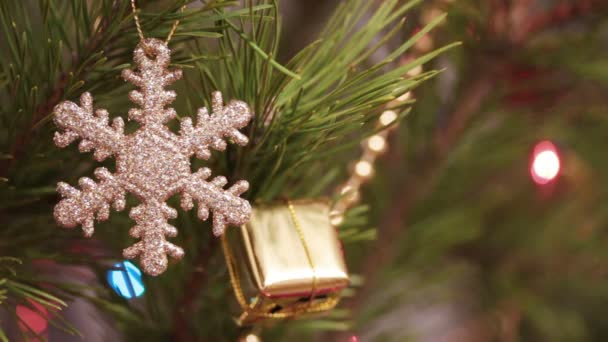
(193, 287)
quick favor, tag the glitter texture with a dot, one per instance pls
(152, 163)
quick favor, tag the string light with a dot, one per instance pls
(388, 117)
(424, 44)
(32, 319)
(252, 338)
(405, 97)
(415, 71)
(376, 143)
(364, 169)
(126, 280)
(546, 165)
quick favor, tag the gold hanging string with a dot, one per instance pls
(252, 308)
(296, 223)
(138, 25)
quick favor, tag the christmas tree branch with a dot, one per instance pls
(301, 121)
(96, 47)
(14, 287)
(57, 93)
(302, 124)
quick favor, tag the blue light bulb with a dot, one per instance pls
(125, 279)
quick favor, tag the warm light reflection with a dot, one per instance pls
(425, 44)
(336, 220)
(278, 278)
(336, 217)
(415, 71)
(345, 189)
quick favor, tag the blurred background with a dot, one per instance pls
(485, 233)
(489, 200)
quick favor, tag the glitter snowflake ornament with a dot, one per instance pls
(152, 163)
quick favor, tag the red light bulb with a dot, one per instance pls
(545, 164)
(35, 319)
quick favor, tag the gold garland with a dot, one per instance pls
(363, 168)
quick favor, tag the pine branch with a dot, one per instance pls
(306, 120)
(16, 289)
(92, 55)
(57, 93)
(302, 124)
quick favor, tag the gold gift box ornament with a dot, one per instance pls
(286, 262)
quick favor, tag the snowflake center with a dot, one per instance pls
(152, 163)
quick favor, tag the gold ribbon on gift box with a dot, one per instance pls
(268, 233)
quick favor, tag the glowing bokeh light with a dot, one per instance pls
(417, 70)
(364, 169)
(126, 280)
(405, 97)
(376, 143)
(346, 189)
(33, 318)
(388, 117)
(545, 163)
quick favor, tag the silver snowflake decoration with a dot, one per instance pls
(152, 163)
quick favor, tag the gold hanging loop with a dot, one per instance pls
(138, 24)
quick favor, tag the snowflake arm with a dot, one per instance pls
(211, 130)
(152, 110)
(151, 229)
(227, 207)
(81, 207)
(94, 130)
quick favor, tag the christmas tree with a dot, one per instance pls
(456, 157)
